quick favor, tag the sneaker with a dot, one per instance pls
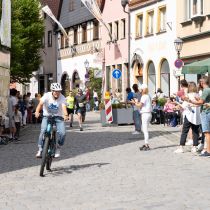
(39, 154)
(57, 153)
(194, 149)
(136, 132)
(200, 147)
(179, 150)
(205, 154)
(81, 129)
(70, 125)
(189, 142)
(142, 148)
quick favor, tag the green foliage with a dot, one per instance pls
(161, 101)
(95, 83)
(27, 33)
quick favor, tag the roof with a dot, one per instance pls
(54, 5)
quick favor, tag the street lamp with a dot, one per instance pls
(124, 3)
(178, 46)
(87, 78)
(178, 43)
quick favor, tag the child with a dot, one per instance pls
(18, 122)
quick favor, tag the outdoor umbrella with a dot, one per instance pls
(197, 67)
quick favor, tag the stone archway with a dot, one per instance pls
(137, 65)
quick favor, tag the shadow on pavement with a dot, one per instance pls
(70, 169)
(22, 154)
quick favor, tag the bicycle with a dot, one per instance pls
(49, 145)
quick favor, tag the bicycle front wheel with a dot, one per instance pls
(44, 155)
(52, 147)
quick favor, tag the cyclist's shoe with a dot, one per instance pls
(57, 153)
(39, 154)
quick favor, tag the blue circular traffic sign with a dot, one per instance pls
(116, 73)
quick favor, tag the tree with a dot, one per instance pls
(27, 33)
(95, 83)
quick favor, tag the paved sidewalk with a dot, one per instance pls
(102, 168)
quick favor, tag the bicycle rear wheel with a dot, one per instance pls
(44, 155)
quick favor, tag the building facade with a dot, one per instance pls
(82, 49)
(153, 31)
(115, 48)
(193, 27)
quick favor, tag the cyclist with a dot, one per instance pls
(53, 103)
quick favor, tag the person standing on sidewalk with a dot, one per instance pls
(70, 107)
(204, 101)
(145, 106)
(136, 113)
(192, 119)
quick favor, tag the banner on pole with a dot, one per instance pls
(5, 27)
(48, 11)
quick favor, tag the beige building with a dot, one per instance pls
(193, 27)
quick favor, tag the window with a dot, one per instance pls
(110, 28)
(71, 5)
(62, 41)
(75, 36)
(161, 26)
(49, 39)
(116, 30)
(150, 20)
(95, 30)
(123, 29)
(84, 33)
(193, 8)
(66, 42)
(119, 81)
(139, 25)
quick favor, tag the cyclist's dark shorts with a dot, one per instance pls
(70, 111)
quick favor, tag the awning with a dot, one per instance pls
(198, 67)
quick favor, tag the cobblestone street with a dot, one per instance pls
(102, 168)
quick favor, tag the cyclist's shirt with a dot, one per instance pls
(70, 102)
(52, 106)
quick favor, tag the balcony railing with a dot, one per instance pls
(80, 49)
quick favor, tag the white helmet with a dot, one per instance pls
(55, 87)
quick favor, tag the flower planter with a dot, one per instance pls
(120, 116)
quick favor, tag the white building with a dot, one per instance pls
(153, 31)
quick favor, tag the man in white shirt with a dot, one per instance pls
(53, 104)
